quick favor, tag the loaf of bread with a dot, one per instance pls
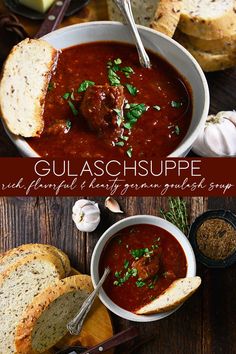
(44, 321)
(19, 284)
(208, 19)
(15, 254)
(178, 292)
(208, 60)
(161, 15)
(23, 87)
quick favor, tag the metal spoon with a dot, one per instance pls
(126, 10)
(75, 325)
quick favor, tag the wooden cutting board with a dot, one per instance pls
(97, 328)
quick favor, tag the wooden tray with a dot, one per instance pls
(96, 329)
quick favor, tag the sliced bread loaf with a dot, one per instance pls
(225, 45)
(161, 15)
(19, 284)
(25, 78)
(178, 292)
(208, 60)
(13, 255)
(208, 19)
(44, 321)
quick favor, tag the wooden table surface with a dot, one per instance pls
(206, 324)
(222, 84)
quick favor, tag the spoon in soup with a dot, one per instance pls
(125, 8)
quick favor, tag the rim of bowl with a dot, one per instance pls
(110, 232)
(26, 149)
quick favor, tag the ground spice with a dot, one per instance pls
(216, 238)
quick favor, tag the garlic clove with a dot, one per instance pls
(91, 214)
(86, 215)
(81, 203)
(230, 115)
(112, 205)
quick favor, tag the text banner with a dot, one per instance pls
(172, 176)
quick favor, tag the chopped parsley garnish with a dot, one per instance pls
(129, 152)
(72, 107)
(50, 86)
(118, 61)
(66, 95)
(120, 143)
(120, 116)
(84, 85)
(131, 272)
(126, 264)
(140, 283)
(177, 130)
(68, 125)
(132, 89)
(113, 67)
(135, 111)
(113, 77)
(140, 252)
(176, 104)
(151, 286)
(72, 95)
(127, 70)
(157, 108)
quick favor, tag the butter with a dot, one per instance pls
(37, 5)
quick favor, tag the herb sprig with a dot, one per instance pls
(177, 213)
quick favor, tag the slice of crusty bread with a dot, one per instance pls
(208, 19)
(208, 60)
(178, 292)
(23, 87)
(14, 254)
(225, 45)
(19, 284)
(44, 321)
(161, 15)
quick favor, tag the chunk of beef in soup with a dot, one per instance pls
(59, 127)
(98, 106)
(147, 267)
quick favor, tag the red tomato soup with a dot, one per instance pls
(144, 261)
(102, 104)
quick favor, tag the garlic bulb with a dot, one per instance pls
(86, 215)
(218, 137)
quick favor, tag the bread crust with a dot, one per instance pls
(25, 77)
(31, 257)
(155, 307)
(167, 16)
(42, 265)
(35, 248)
(207, 27)
(161, 15)
(226, 45)
(208, 60)
(23, 338)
